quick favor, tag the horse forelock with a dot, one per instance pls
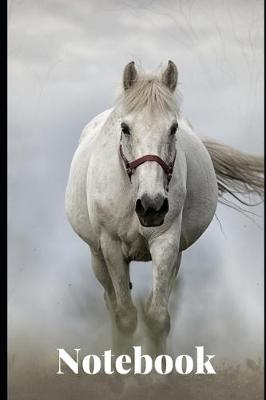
(149, 93)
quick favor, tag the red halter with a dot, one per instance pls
(133, 165)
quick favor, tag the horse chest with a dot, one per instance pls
(135, 248)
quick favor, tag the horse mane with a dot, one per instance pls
(149, 92)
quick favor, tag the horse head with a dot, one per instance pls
(149, 131)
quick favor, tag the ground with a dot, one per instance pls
(238, 382)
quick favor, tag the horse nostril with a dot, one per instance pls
(165, 207)
(139, 207)
(148, 207)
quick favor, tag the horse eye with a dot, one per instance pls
(173, 128)
(125, 129)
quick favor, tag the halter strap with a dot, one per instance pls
(131, 166)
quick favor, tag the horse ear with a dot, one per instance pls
(170, 75)
(130, 75)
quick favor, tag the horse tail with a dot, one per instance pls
(237, 173)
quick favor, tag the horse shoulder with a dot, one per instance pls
(76, 197)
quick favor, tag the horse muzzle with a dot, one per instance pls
(151, 211)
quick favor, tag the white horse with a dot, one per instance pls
(143, 186)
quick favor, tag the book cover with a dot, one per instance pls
(135, 198)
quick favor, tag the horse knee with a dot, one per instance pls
(158, 322)
(126, 320)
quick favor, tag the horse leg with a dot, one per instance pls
(125, 312)
(101, 272)
(166, 260)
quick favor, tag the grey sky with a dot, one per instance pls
(65, 64)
